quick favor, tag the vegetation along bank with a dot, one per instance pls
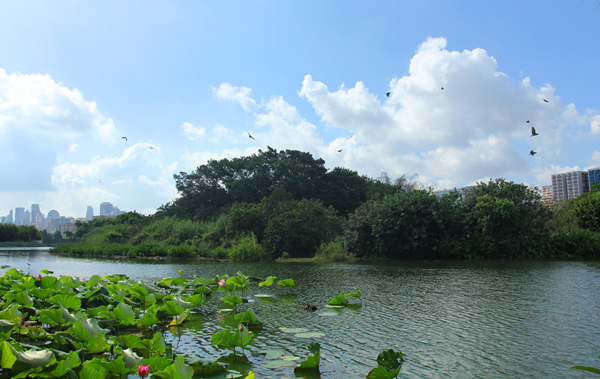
(288, 205)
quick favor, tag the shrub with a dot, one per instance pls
(247, 249)
(149, 249)
(333, 251)
(181, 251)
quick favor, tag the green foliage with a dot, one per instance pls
(587, 210)
(389, 364)
(339, 299)
(312, 361)
(333, 251)
(22, 233)
(247, 249)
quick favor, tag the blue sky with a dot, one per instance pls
(187, 78)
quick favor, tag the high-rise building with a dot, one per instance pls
(19, 216)
(593, 176)
(90, 212)
(547, 195)
(35, 209)
(106, 208)
(52, 214)
(2, 219)
(569, 185)
(26, 217)
(9, 218)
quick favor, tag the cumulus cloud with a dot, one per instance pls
(192, 132)
(73, 147)
(36, 103)
(238, 94)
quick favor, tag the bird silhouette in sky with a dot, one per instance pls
(532, 153)
(250, 135)
(387, 94)
(125, 138)
(99, 181)
(533, 132)
(545, 101)
(151, 147)
(340, 150)
(527, 122)
(442, 88)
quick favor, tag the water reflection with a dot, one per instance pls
(500, 319)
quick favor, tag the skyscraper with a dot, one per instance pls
(9, 218)
(106, 208)
(90, 212)
(35, 209)
(569, 185)
(26, 217)
(19, 216)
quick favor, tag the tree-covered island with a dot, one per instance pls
(287, 204)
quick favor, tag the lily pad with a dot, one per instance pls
(310, 335)
(278, 363)
(328, 314)
(263, 295)
(334, 306)
(294, 330)
(290, 358)
(272, 354)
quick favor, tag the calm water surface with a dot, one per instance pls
(492, 319)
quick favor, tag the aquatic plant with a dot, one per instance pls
(312, 362)
(389, 364)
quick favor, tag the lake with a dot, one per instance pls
(451, 319)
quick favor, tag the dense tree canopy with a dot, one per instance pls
(215, 185)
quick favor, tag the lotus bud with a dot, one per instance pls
(39, 277)
(142, 371)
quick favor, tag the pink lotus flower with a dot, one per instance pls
(142, 371)
(222, 283)
(39, 277)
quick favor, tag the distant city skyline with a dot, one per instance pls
(20, 216)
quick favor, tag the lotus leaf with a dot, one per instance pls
(286, 283)
(312, 361)
(232, 338)
(6, 326)
(157, 363)
(8, 355)
(205, 366)
(277, 364)
(250, 375)
(149, 319)
(268, 282)
(262, 295)
(203, 289)
(338, 300)
(50, 282)
(183, 304)
(24, 299)
(91, 371)
(32, 359)
(356, 293)
(129, 340)
(207, 280)
(389, 365)
(232, 300)
(131, 359)
(290, 358)
(172, 308)
(67, 301)
(178, 370)
(179, 319)
(86, 330)
(42, 293)
(272, 354)
(115, 278)
(310, 335)
(293, 330)
(248, 317)
(116, 366)
(67, 365)
(158, 343)
(589, 369)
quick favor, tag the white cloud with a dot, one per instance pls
(238, 94)
(192, 132)
(36, 103)
(73, 147)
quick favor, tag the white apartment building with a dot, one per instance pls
(569, 185)
(547, 195)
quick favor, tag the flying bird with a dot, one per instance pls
(340, 150)
(387, 94)
(545, 101)
(250, 135)
(99, 181)
(527, 122)
(533, 132)
(532, 153)
(442, 88)
(125, 138)
(151, 147)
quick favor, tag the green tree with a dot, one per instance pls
(587, 209)
(211, 188)
(57, 235)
